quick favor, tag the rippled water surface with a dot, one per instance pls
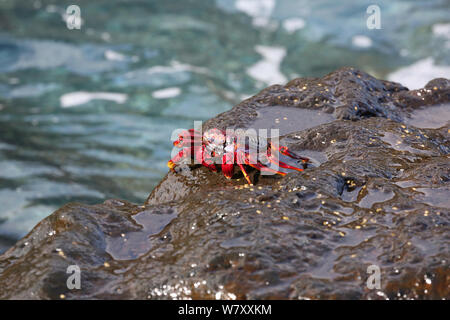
(86, 115)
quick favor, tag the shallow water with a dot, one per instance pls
(432, 117)
(86, 115)
(135, 244)
(435, 197)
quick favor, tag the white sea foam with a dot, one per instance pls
(114, 56)
(166, 93)
(293, 24)
(362, 41)
(73, 99)
(442, 30)
(267, 70)
(259, 10)
(419, 73)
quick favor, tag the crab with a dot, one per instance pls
(218, 148)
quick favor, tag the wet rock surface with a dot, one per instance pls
(376, 194)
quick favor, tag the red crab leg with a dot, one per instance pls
(227, 165)
(285, 151)
(203, 160)
(210, 165)
(282, 164)
(259, 166)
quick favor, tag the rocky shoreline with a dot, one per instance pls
(376, 194)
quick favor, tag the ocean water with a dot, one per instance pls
(87, 115)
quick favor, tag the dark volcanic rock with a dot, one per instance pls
(377, 193)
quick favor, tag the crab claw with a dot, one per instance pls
(184, 153)
(171, 164)
(188, 138)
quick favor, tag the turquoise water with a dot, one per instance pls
(86, 115)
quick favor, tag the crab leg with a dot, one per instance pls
(285, 151)
(200, 157)
(259, 166)
(228, 165)
(240, 160)
(282, 164)
(245, 173)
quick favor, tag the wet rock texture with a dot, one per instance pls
(377, 193)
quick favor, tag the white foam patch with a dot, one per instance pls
(267, 70)
(293, 24)
(166, 93)
(442, 30)
(73, 99)
(114, 56)
(417, 75)
(259, 10)
(361, 41)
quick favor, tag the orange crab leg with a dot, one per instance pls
(245, 173)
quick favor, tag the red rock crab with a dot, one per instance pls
(227, 149)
